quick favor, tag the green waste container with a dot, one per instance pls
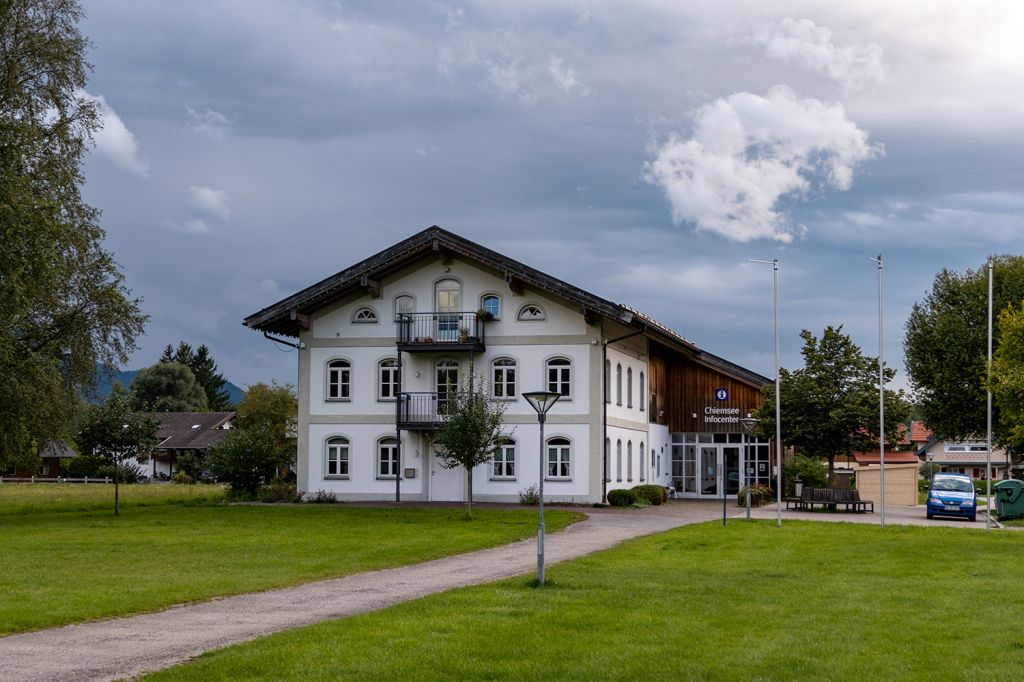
(1009, 498)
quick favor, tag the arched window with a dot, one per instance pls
(404, 305)
(387, 458)
(503, 378)
(559, 458)
(491, 305)
(618, 460)
(503, 464)
(643, 457)
(629, 387)
(339, 380)
(560, 376)
(387, 379)
(643, 392)
(629, 461)
(336, 465)
(531, 312)
(607, 381)
(618, 384)
(364, 315)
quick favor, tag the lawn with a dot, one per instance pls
(31, 498)
(65, 567)
(746, 602)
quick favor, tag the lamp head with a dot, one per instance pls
(542, 400)
(748, 423)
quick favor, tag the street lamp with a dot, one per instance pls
(748, 423)
(778, 400)
(541, 401)
(881, 393)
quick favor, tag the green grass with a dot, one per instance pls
(65, 567)
(32, 498)
(810, 601)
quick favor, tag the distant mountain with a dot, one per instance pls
(106, 377)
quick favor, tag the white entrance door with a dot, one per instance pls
(446, 485)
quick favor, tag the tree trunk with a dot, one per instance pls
(831, 469)
(469, 493)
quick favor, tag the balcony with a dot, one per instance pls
(420, 411)
(440, 332)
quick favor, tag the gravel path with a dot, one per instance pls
(126, 647)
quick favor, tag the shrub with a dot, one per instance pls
(813, 472)
(759, 495)
(182, 478)
(247, 459)
(323, 497)
(650, 493)
(278, 491)
(529, 497)
(622, 497)
(127, 472)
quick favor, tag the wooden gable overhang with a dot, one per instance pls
(291, 315)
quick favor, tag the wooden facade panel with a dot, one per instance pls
(693, 400)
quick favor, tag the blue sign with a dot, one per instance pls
(721, 394)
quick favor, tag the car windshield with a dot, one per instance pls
(960, 485)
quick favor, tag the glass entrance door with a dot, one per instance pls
(708, 470)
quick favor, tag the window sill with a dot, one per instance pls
(336, 477)
(559, 479)
(503, 400)
(338, 400)
(385, 478)
(386, 400)
(503, 478)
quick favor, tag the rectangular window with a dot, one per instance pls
(339, 381)
(558, 461)
(504, 379)
(388, 380)
(337, 458)
(504, 462)
(560, 377)
(387, 458)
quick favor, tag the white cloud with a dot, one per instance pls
(207, 122)
(804, 42)
(212, 202)
(565, 77)
(747, 152)
(114, 140)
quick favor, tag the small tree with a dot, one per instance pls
(114, 433)
(272, 407)
(470, 431)
(1008, 376)
(247, 459)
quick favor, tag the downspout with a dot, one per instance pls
(297, 346)
(604, 408)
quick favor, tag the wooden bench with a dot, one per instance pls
(830, 498)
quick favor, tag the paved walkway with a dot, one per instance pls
(126, 647)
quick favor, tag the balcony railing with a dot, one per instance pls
(440, 331)
(421, 411)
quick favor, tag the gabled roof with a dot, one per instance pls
(890, 457)
(285, 316)
(191, 430)
(919, 433)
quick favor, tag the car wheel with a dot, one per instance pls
(930, 515)
(971, 518)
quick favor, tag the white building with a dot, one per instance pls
(381, 343)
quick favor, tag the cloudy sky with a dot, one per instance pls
(641, 150)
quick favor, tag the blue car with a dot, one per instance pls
(952, 495)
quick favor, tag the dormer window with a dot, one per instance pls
(531, 312)
(365, 315)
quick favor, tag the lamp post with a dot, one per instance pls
(541, 401)
(748, 423)
(881, 394)
(778, 400)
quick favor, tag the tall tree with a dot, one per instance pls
(469, 432)
(1008, 376)
(946, 346)
(64, 307)
(114, 432)
(830, 406)
(167, 387)
(204, 368)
